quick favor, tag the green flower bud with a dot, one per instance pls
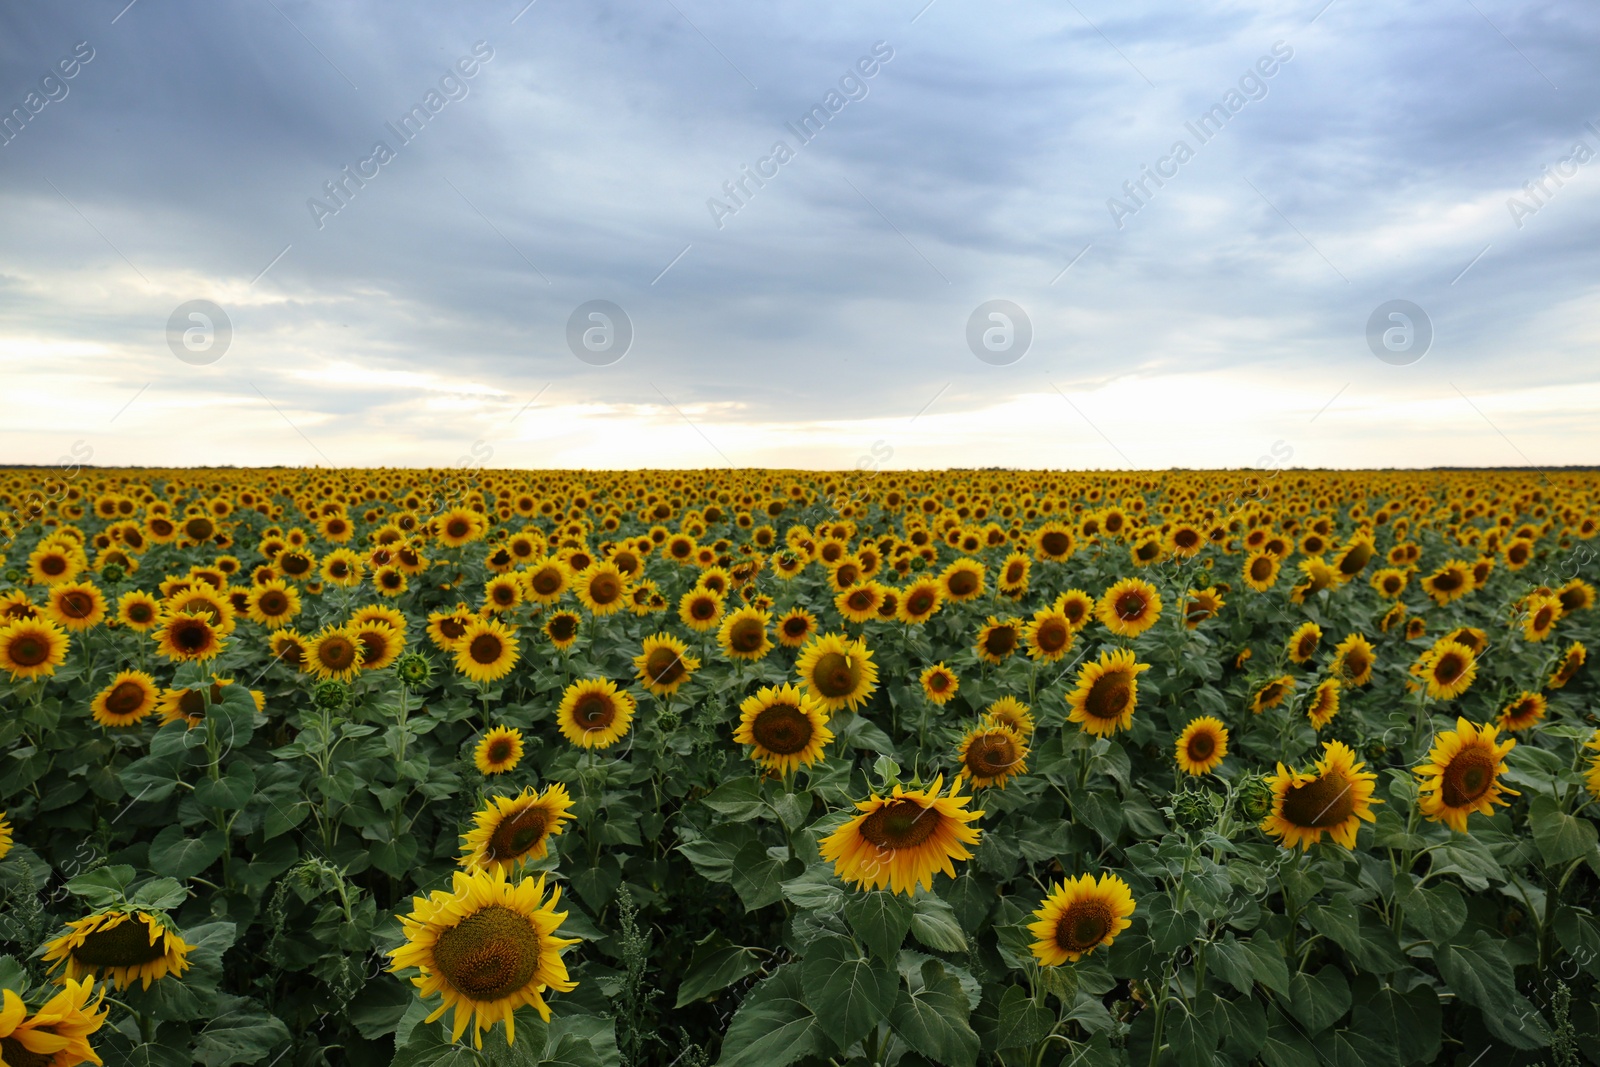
(413, 670)
(1255, 798)
(330, 695)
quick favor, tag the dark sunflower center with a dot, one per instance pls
(337, 653)
(53, 565)
(273, 602)
(1542, 619)
(485, 648)
(517, 834)
(490, 954)
(861, 600)
(125, 945)
(1051, 636)
(1323, 802)
(458, 528)
(1083, 925)
(452, 628)
(835, 676)
(1002, 641)
(1109, 696)
(293, 563)
(963, 583)
(939, 682)
(12, 1052)
(796, 628)
(900, 824)
(77, 605)
(1014, 573)
(604, 589)
(1201, 746)
(746, 635)
(990, 754)
(1074, 611)
(664, 666)
(1261, 569)
(562, 627)
(594, 711)
(1308, 645)
(499, 750)
(1448, 582)
(1130, 606)
(504, 594)
(1448, 668)
(703, 608)
(920, 602)
(782, 729)
(1467, 777)
(126, 698)
(191, 635)
(29, 651)
(1055, 543)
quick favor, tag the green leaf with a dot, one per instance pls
(713, 855)
(1243, 1025)
(759, 873)
(1408, 1022)
(571, 1051)
(1351, 1048)
(1193, 1034)
(739, 799)
(1171, 929)
(102, 886)
(1561, 838)
(815, 890)
(241, 1033)
(933, 1020)
(1580, 936)
(933, 923)
(160, 894)
(177, 856)
(773, 1026)
(1266, 960)
(716, 964)
(1319, 1000)
(1286, 1044)
(12, 975)
(880, 919)
(1370, 945)
(230, 793)
(1023, 1023)
(1436, 912)
(852, 992)
(597, 1033)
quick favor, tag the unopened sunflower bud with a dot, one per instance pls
(1255, 798)
(413, 670)
(330, 695)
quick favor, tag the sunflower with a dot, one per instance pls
(1324, 703)
(379, 613)
(1448, 669)
(545, 580)
(1052, 541)
(1130, 607)
(501, 593)
(487, 651)
(1079, 916)
(962, 580)
(1261, 571)
(334, 653)
(390, 581)
(205, 600)
(1077, 606)
(189, 705)
(594, 713)
(562, 629)
(127, 699)
(663, 664)
(446, 628)
(342, 568)
(1048, 636)
(786, 729)
(1273, 691)
(499, 751)
(289, 646)
(1577, 595)
(1462, 774)
(188, 636)
(57, 1035)
(1452, 581)
(1107, 693)
(5, 836)
(273, 603)
(900, 841)
(838, 672)
(380, 643)
(990, 754)
(458, 526)
(998, 639)
(795, 627)
(939, 683)
(1353, 660)
(75, 605)
(32, 648)
(50, 563)
(860, 602)
(488, 946)
(1392, 618)
(921, 601)
(700, 610)
(602, 588)
(16, 604)
(1303, 642)
(1012, 714)
(1202, 745)
(1539, 616)
(1333, 799)
(125, 946)
(1013, 580)
(511, 831)
(1523, 712)
(1202, 604)
(1389, 581)
(1572, 660)
(743, 634)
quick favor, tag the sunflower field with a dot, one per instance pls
(758, 768)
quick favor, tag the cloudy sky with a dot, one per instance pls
(830, 311)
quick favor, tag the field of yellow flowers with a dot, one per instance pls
(758, 768)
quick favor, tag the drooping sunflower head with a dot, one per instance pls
(939, 683)
(488, 946)
(998, 639)
(743, 634)
(1130, 607)
(122, 945)
(125, 700)
(1202, 745)
(499, 751)
(1324, 703)
(510, 831)
(837, 672)
(1572, 660)
(901, 841)
(594, 713)
(1463, 774)
(1107, 693)
(32, 648)
(991, 754)
(1202, 604)
(487, 651)
(1080, 915)
(786, 728)
(1527, 709)
(1304, 641)
(1012, 714)
(1271, 693)
(664, 664)
(1332, 798)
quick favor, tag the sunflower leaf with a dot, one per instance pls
(241, 1032)
(933, 923)
(716, 964)
(1561, 838)
(773, 1026)
(880, 919)
(177, 856)
(853, 992)
(1319, 1000)
(102, 886)
(933, 1021)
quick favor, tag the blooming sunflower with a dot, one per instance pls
(1539, 617)
(189, 705)
(1011, 713)
(1526, 710)
(123, 945)
(1202, 604)
(501, 593)
(289, 646)
(334, 653)
(1353, 660)
(700, 610)
(1591, 777)
(1107, 693)
(499, 751)
(125, 700)
(487, 651)
(1261, 571)
(1130, 607)
(962, 580)
(1392, 618)
(32, 648)
(273, 603)
(57, 1035)
(786, 728)
(743, 634)
(859, 602)
(795, 627)
(1324, 704)
(1332, 799)
(1389, 581)
(188, 636)
(5, 836)
(1076, 606)
(1013, 579)
(939, 683)
(380, 643)
(1452, 581)
(1462, 774)
(1202, 745)
(1572, 660)
(562, 629)
(900, 841)
(991, 754)
(510, 831)
(1052, 541)
(602, 588)
(458, 526)
(664, 664)
(1079, 916)
(921, 601)
(1303, 642)
(489, 946)
(998, 639)
(1577, 595)
(447, 627)
(594, 713)
(1448, 669)
(838, 672)
(75, 605)
(1273, 691)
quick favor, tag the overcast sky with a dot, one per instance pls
(1334, 159)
